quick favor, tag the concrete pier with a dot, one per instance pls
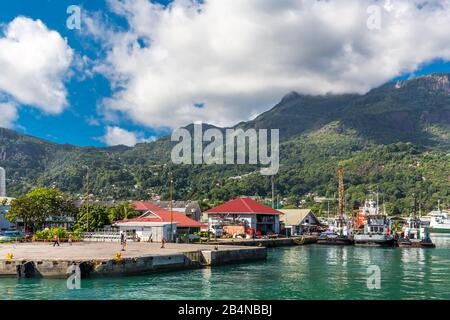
(280, 242)
(99, 259)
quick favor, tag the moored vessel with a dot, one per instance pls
(376, 232)
(415, 235)
(437, 221)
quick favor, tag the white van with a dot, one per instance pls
(216, 230)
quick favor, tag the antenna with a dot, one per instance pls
(341, 193)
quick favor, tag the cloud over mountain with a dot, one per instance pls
(222, 61)
(118, 136)
(34, 62)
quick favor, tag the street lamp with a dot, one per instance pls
(171, 209)
(87, 193)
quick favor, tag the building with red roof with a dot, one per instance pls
(245, 212)
(156, 223)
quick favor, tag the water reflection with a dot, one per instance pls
(304, 272)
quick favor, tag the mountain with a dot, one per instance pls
(395, 138)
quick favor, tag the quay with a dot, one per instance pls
(101, 260)
(278, 242)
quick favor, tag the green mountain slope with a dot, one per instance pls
(395, 138)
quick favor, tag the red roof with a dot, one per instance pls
(243, 205)
(161, 215)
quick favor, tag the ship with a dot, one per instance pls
(437, 221)
(376, 232)
(340, 230)
(337, 234)
(415, 235)
(370, 207)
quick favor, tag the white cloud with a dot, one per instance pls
(239, 57)
(8, 114)
(117, 136)
(34, 62)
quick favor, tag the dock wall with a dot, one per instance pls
(283, 242)
(130, 266)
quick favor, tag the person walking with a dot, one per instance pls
(123, 240)
(70, 239)
(56, 240)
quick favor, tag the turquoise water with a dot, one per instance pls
(305, 272)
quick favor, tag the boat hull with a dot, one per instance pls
(438, 230)
(335, 241)
(406, 243)
(374, 241)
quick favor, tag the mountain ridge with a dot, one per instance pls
(387, 130)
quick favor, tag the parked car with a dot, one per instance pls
(216, 230)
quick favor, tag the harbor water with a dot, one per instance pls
(302, 272)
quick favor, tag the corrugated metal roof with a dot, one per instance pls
(160, 215)
(243, 205)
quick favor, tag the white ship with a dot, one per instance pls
(376, 232)
(437, 221)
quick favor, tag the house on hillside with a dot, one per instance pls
(156, 223)
(298, 221)
(245, 212)
(189, 208)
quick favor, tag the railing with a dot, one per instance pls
(106, 236)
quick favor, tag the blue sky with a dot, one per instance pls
(71, 126)
(82, 121)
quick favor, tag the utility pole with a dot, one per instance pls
(341, 194)
(273, 194)
(171, 208)
(87, 195)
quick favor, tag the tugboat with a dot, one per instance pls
(376, 232)
(415, 234)
(370, 208)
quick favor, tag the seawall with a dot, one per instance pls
(159, 261)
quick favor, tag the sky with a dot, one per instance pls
(109, 72)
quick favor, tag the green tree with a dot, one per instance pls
(91, 217)
(38, 205)
(122, 211)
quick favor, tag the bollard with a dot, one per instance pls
(118, 256)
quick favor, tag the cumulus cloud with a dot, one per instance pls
(8, 114)
(236, 58)
(34, 62)
(117, 136)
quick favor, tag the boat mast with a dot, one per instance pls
(378, 202)
(341, 194)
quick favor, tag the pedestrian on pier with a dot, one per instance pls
(123, 240)
(70, 239)
(56, 240)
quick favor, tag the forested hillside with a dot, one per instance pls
(396, 139)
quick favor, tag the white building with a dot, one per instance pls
(2, 182)
(245, 212)
(156, 223)
(297, 221)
